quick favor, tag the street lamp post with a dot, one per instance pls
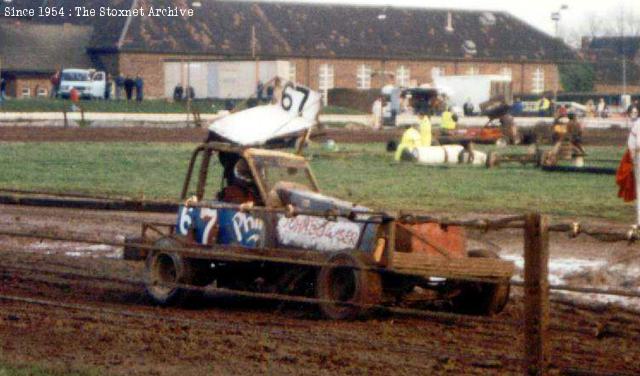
(556, 17)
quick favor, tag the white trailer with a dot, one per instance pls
(221, 79)
(477, 88)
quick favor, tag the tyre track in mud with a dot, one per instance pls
(120, 332)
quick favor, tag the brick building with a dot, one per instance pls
(606, 54)
(31, 53)
(326, 46)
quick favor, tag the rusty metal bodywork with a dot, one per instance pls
(292, 221)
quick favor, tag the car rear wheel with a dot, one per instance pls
(345, 289)
(482, 298)
(165, 268)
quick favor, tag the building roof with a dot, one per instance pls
(605, 53)
(315, 30)
(615, 46)
(108, 29)
(224, 27)
(610, 72)
(29, 47)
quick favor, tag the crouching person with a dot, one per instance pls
(410, 141)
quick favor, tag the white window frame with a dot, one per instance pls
(537, 81)
(325, 80)
(506, 72)
(25, 92)
(403, 76)
(363, 77)
(473, 70)
(293, 72)
(438, 71)
(42, 92)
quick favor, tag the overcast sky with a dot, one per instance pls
(537, 13)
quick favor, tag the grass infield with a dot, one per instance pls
(362, 173)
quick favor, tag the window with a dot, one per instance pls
(538, 81)
(41, 92)
(473, 70)
(403, 76)
(292, 72)
(26, 92)
(507, 72)
(364, 77)
(325, 82)
(438, 71)
(75, 76)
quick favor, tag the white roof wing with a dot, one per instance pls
(297, 112)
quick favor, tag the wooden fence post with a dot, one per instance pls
(536, 294)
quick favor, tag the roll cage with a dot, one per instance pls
(257, 159)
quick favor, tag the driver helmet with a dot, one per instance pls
(242, 172)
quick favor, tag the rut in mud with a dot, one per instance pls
(91, 311)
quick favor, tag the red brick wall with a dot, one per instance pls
(151, 67)
(32, 83)
(601, 88)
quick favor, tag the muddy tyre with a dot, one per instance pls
(480, 298)
(166, 267)
(338, 282)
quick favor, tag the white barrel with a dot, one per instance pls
(439, 154)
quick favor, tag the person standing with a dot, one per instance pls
(107, 87)
(629, 169)
(425, 129)
(55, 84)
(518, 107)
(3, 89)
(129, 84)
(574, 129)
(468, 107)
(543, 106)
(277, 91)
(509, 129)
(139, 82)
(601, 107)
(260, 92)
(119, 81)
(448, 124)
(376, 113)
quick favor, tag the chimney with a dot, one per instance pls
(449, 26)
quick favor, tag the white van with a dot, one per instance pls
(88, 82)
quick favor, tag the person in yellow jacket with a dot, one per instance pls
(543, 106)
(448, 122)
(425, 129)
(411, 139)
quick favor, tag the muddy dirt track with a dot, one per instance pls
(195, 135)
(80, 307)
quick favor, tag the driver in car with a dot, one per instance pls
(240, 187)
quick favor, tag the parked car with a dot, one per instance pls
(91, 84)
